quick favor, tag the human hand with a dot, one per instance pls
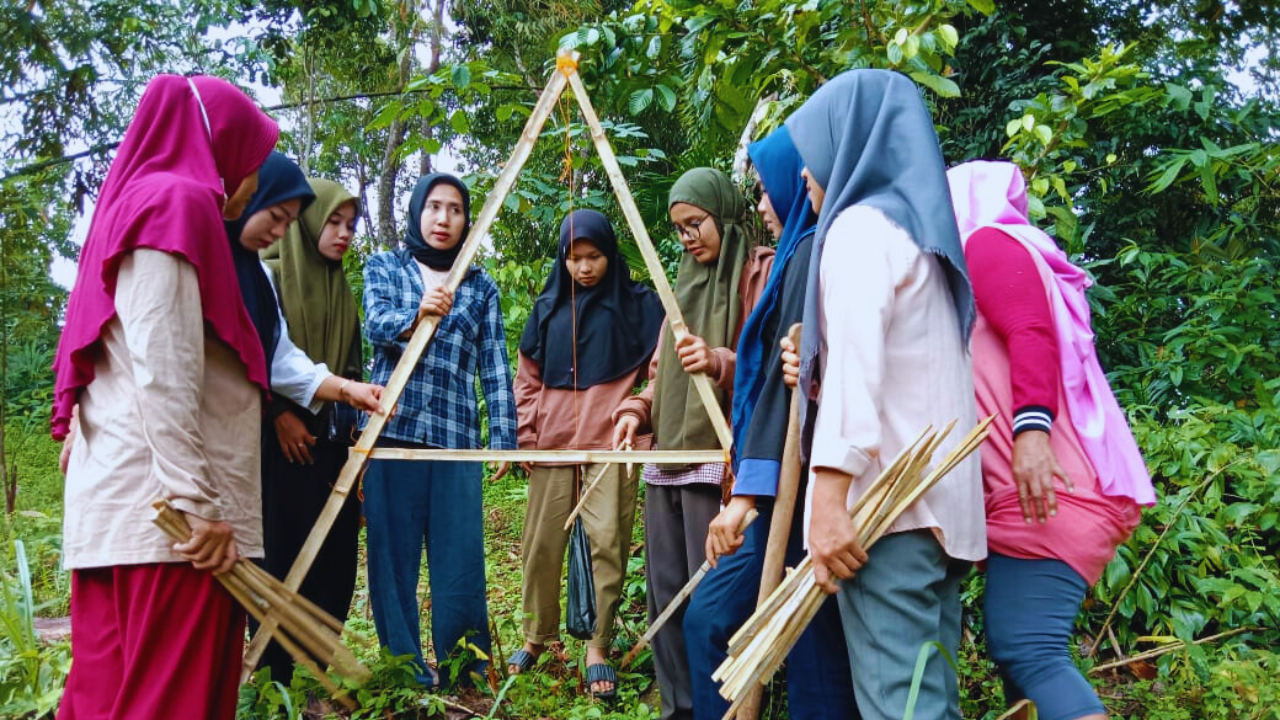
(1034, 467)
(724, 534)
(624, 432)
(212, 545)
(694, 354)
(790, 362)
(73, 429)
(362, 396)
(833, 541)
(295, 441)
(436, 302)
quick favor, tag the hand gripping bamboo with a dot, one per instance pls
(784, 506)
(310, 635)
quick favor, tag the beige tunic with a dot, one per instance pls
(892, 363)
(169, 414)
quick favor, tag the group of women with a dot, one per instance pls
(212, 292)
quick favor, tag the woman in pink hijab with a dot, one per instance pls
(1064, 480)
(166, 369)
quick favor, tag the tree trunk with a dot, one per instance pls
(395, 138)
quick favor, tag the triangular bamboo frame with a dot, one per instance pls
(565, 75)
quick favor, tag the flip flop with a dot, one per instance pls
(602, 672)
(521, 660)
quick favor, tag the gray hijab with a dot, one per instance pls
(868, 140)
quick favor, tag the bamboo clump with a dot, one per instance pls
(758, 649)
(310, 635)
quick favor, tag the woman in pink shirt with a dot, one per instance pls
(1057, 428)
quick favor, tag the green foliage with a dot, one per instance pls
(31, 673)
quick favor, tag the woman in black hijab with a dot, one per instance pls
(586, 347)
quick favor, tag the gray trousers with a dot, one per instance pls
(906, 596)
(675, 532)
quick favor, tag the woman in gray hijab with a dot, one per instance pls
(886, 326)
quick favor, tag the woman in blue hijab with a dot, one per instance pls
(886, 320)
(818, 680)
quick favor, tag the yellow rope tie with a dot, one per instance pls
(566, 63)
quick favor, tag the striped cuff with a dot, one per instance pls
(1032, 417)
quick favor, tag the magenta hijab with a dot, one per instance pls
(994, 195)
(189, 139)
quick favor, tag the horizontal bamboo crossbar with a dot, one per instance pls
(653, 457)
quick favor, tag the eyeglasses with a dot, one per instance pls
(690, 230)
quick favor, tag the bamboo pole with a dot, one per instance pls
(680, 597)
(701, 381)
(582, 500)
(762, 644)
(784, 506)
(1171, 647)
(303, 629)
(409, 360)
(652, 457)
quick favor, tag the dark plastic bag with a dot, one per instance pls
(580, 610)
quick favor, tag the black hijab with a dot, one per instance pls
(618, 319)
(422, 251)
(279, 180)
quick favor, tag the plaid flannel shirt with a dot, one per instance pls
(439, 406)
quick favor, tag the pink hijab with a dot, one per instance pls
(189, 139)
(994, 194)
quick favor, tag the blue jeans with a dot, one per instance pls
(819, 685)
(906, 596)
(1031, 608)
(407, 502)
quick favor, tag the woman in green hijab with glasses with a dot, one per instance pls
(721, 276)
(303, 452)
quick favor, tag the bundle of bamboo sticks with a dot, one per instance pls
(312, 636)
(759, 647)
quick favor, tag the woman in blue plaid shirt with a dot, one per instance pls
(439, 502)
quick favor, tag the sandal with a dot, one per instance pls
(521, 660)
(602, 672)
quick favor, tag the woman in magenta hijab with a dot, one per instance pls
(1063, 477)
(166, 369)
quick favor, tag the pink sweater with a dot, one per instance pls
(1089, 525)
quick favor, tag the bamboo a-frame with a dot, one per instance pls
(565, 75)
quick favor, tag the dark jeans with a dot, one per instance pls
(407, 502)
(819, 684)
(1031, 608)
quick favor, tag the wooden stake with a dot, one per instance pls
(579, 457)
(680, 597)
(582, 500)
(780, 524)
(657, 273)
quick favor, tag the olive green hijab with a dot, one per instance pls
(709, 299)
(314, 295)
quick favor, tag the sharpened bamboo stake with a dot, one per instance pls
(680, 597)
(302, 629)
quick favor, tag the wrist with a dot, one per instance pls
(342, 390)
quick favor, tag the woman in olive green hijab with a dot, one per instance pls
(721, 276)
(303, 452)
